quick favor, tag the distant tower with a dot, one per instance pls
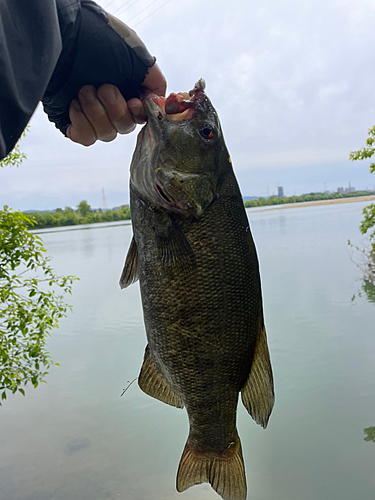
(280, 192)
(104, 202)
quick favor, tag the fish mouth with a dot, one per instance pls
(176, 107)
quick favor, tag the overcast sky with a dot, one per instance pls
(293, 83)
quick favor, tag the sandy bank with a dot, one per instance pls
(314, 203)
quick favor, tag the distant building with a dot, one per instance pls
(349, 189)
(280, 192)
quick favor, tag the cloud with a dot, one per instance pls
(292, 83)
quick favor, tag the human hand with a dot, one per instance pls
(102, 114)
(95, 90)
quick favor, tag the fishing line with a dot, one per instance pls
(111, 2)
(140, 12)
(122, 6)
(123, 392)
(165, 3)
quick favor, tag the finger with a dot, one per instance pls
(96, 114)
(137, 110)
(80, 130)
(155, 81)
(116, 108)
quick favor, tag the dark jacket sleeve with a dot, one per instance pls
(105, 50)
(31, 39)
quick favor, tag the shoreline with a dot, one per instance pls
(315, 203)
(80, 227)
(102, 225)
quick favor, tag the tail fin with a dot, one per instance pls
(225, 471)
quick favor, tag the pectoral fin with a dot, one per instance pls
(153, 383)
(173, 247)
(257, 394)
(130, 272)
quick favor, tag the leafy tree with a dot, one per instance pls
(83, 208)
(367, 225)
(29, 303)
(71, 217)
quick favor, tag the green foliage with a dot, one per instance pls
(366, 152)
(368, 287)
(370, 434)
(71, 217)
(367, 225)
(369, 220)
(274, 200)
(83, 208)
(15, 157)
(29, 304)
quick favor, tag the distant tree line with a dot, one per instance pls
(82, 215)
(85, 215)
(274, 200)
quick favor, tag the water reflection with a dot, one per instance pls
(370, 434)
(75, 445)
(369, 288)
(88, 246)
(75, 438)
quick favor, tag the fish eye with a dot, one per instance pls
(207, 132)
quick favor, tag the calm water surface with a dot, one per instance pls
(75, 438)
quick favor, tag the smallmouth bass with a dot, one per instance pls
(196, 261)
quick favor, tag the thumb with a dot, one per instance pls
(155, 81)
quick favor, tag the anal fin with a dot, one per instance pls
(130, 272)
(225, 472)
(258, 394)
(152, 382)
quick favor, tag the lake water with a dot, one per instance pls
(75, 438)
